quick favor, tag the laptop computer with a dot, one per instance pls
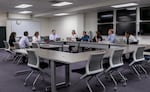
(58, 39)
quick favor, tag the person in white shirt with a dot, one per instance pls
(36, 38)
(53, 36)
(24, 41)
(73, 39)
(74, 36)
(129, 38)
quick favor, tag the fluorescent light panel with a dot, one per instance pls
(25, 12)
(23, 6)
(62, 4)
(124, 5)
(61, 14)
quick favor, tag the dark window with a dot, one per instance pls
(126, 27)
(145, 28)
(126, 15)
(104, 17)
(103, 29)
(145, 13)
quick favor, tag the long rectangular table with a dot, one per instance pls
(99, 45)
(68, 58)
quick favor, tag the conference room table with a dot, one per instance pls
(69, 58)
(80, 44)
(50, 46)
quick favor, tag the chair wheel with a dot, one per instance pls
(139, 78)
(115, 88)
(124, 84)
(33, 89)
(46, 89)
(25, 84)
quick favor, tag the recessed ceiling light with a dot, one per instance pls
(61, 14)
(62, 4)
(23, 6)
(25, 12)
(124, 5)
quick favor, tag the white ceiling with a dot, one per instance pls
(43, 8)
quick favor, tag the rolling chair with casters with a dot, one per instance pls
(138, 59)
(18, 56)
(94, 66)
(36, 66)
(8, 49)
(116, 62)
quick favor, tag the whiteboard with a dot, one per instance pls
(19, 26)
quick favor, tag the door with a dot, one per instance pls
(2, 36)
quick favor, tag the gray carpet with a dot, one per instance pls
(11, 83)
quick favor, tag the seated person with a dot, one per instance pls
(85, 37)
(36, 38)
(129, 38)
(24, 41)
(12, 39)
(111, 36)
(97, 37)
(53, 36)
(73, 38)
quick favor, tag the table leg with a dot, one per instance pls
(67, 74)
(67, 78)
(53, 76)
(62, 48)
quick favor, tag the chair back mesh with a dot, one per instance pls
(33, 59)
(116, 58)
(16, 45)
(35, 45)
(139, 53)
(95, 63)
(6, 45)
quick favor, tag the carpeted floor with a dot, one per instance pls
(11, 83)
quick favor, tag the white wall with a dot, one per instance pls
(90, 22)
(45, 26)
(3, 18)
(65, 24)
(44, 23)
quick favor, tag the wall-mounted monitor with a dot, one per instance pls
(145, 28)
(126, 15)
(104, 17)
(145, 13)
(103, 29)
(126, 27)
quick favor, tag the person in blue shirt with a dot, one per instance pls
(111, 36)
(85, 37)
